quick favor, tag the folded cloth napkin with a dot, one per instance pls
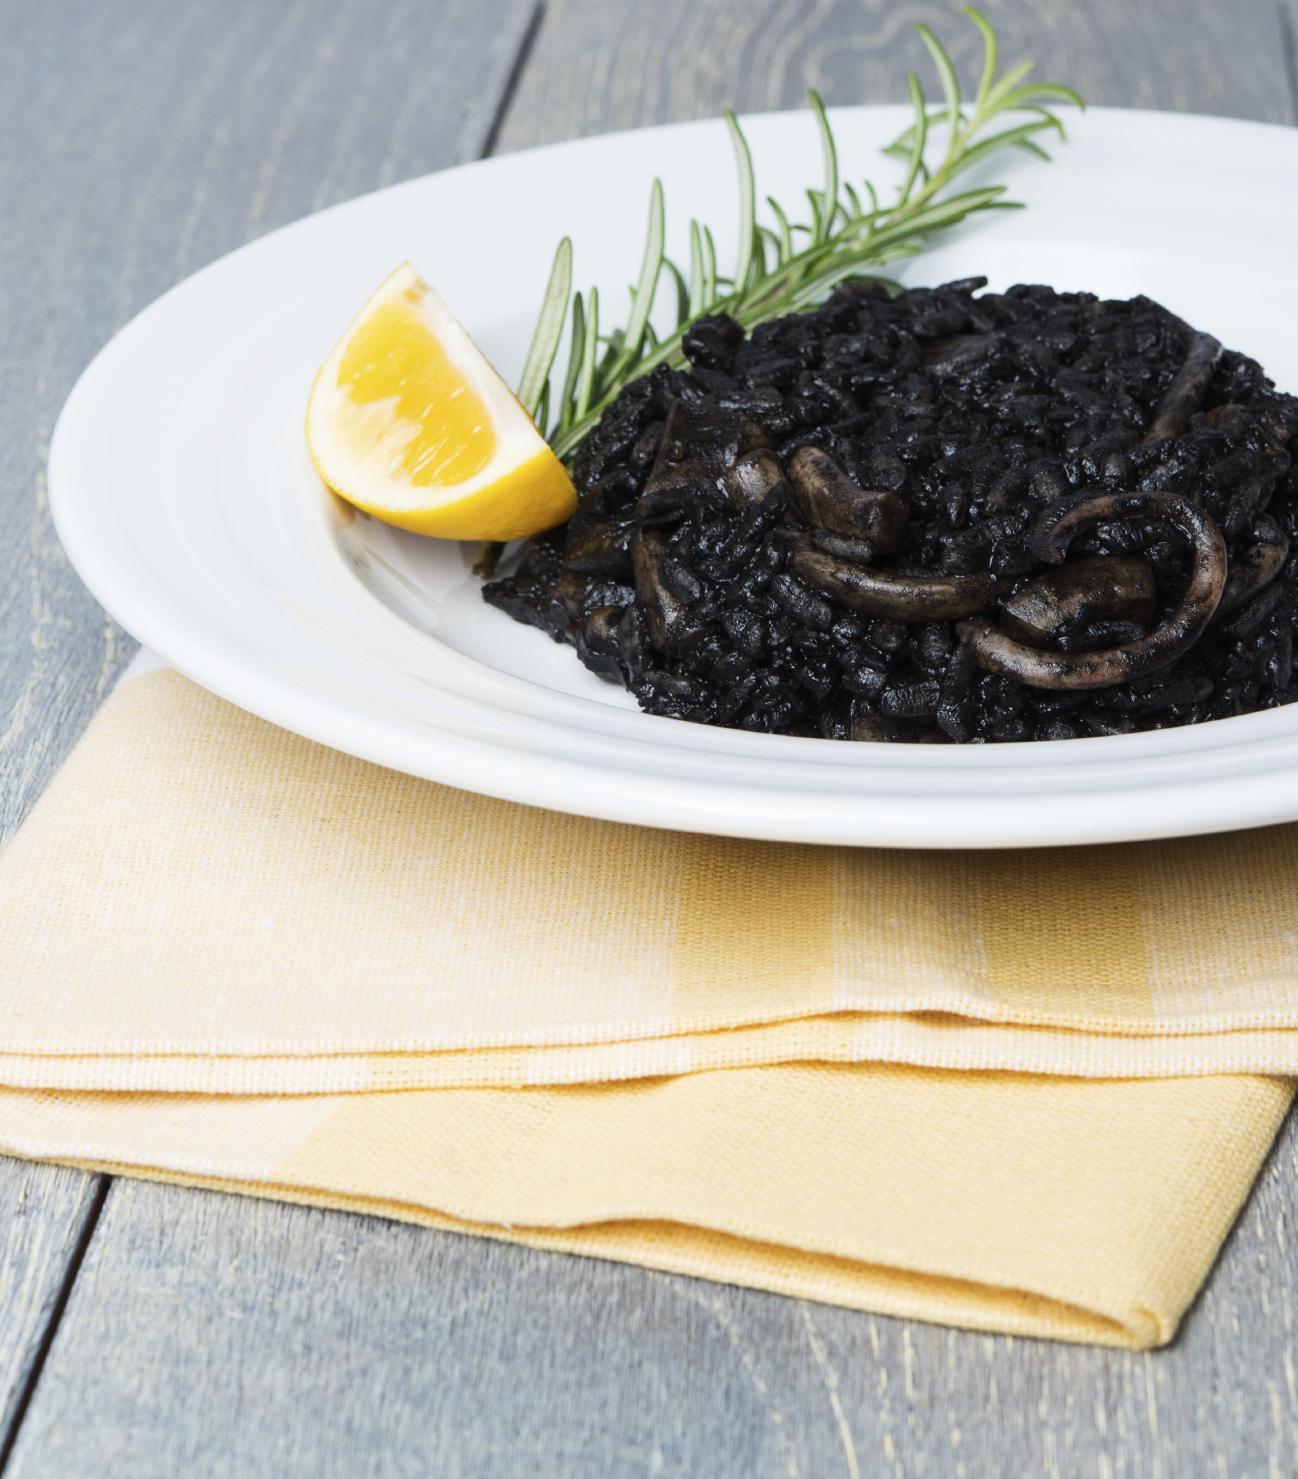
(233, 957)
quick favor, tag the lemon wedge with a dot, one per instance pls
(408, 421)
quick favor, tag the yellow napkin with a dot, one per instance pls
(742, 1054)
(203, 902)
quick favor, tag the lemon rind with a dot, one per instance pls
(518, 443)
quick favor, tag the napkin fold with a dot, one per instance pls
(1024, 1091)
(204, 903)
(1068, 1208)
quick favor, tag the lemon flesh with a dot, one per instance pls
(408, 421)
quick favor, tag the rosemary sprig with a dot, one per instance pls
(793, 267)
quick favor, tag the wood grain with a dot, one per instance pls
(216, 1335)
(598, 67)
(142, 139)
(212, 1335)
(44, 1212)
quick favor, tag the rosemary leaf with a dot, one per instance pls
(549, 329)
(698, 290)
(576, 354)
(649, 271)
(747, 211)
(586, 376)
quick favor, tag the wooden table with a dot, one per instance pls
(148, 1330)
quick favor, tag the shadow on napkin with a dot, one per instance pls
(202, 902)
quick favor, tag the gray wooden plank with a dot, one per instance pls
(211, 1335)
(598, 67)
(45, 1212)
(1287, 10)
(217, 1335)
(140, 140)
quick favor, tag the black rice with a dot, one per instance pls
(839, 525)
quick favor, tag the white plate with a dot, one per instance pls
(181, 488)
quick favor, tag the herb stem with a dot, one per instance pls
(844, 240)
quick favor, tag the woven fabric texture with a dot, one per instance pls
(205, 903)
(1022, 1092)
(1069, 1208)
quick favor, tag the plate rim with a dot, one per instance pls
(329, 723)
